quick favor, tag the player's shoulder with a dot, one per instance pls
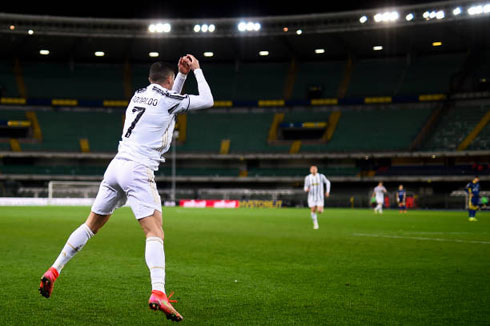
(169, 94)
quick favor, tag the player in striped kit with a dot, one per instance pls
(147, 135)
(314, 186)
(379, 193)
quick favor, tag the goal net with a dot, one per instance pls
(72, 192)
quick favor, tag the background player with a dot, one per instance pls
(314, 187)
(401, 199)
(473, 190)
(379, 193)
(147, 135)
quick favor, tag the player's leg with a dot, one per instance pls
(76, 241)
(314, 216)
(146, 204)
(155, 260)
(472, 208)
(108, 198)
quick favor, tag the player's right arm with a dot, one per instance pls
(195, 102)
(307, 185)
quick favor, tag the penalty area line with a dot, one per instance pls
(417, 238)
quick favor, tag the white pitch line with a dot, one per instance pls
(417, 238)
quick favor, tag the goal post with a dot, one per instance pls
(72, 192)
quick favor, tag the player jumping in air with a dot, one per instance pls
(473, 190)
(147, 135)
(401, 199)
(379, 193)
(314, 187)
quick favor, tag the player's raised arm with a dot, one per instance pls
(205, 98)
(183, 67)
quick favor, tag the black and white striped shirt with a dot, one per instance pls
(314, 186)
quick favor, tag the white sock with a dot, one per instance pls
(314, 218)
(75, 243)
(155, 260)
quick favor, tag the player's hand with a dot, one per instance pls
(327, 195)
(184, 65)
(307, 189)
(194, 63)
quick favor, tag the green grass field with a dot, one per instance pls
(253, 267)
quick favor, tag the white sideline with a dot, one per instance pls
(417, 238)
(23, 201)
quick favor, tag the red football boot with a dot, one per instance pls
(47, 282)
(159, 301)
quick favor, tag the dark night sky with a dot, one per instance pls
(190, 8)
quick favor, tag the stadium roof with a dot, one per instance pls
(423, 28)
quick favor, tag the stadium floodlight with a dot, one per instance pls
(377, 48)
(197, 28)
(12, 27)
(475, 10)
(250, 26)
(432, 14)
(440, 14)
(263, 53)
(285, 29)
(319, 51)
(257, 27)
(437, 43)
(426, 15)
(387, 16)
(208, 54)
(30, 32)
(154, 54)
(99, 53)
(299, 31)
(43, 52)
(486, 8)
(204, 28)
(211, 28)
(457, 11)
(363, 19)
(409, 17)
(242, 26)
(159, 28)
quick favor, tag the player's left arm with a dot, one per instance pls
(327, 183)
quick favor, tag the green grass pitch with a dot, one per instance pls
(253, 267)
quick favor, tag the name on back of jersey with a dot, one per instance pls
(145, 100)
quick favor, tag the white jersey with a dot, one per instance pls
(150, 119)
(379, 192)
(314, 184)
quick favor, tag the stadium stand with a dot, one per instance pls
(244, 81)
(77, 81)
(8, 86)
(454, 126)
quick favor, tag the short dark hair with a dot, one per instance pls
(160, 71)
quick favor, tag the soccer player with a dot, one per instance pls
(314, 186)
(147, 135)
(401, 199)
(473, 190)
(379, 193)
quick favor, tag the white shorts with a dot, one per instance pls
(129, 181)
(380, 200)
(313, 203)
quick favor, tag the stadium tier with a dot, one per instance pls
(393, 76)
(372, 129)
(455, 125)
